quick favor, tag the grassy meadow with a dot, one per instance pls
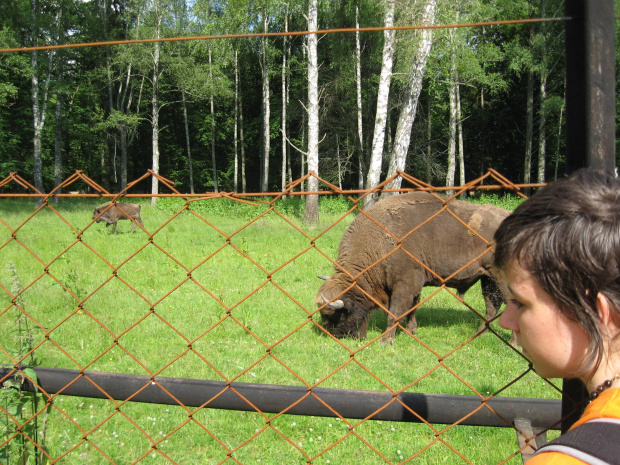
(236, 281)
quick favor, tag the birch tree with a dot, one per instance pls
(311, 213)
(39, 95)
(266, 102)
(378, 140)
(155, 104)
(358, 88)
(452, 93)
(398, 157)
(285, 98)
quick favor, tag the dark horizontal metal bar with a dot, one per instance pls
(354, 404)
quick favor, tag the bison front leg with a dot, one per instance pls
(400, 303)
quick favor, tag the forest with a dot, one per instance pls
(229, 108)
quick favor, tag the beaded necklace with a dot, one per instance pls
(605, 385)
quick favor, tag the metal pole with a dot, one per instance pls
(590, 118)
(590, 85)
(294, 400)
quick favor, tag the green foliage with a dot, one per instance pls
(506, 201)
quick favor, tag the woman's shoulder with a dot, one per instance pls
(607, 405)
(554, 458)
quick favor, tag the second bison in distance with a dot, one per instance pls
(373, 271)
(110, 214)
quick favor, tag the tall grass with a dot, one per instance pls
(236, 281)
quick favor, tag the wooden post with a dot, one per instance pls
(590, 118)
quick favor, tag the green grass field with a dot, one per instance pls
(236, 282)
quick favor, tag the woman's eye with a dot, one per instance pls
(516, 303)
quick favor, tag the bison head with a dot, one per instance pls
(344, 309)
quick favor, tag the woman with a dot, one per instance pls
(560, 254)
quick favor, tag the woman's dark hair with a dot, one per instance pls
(567, 235)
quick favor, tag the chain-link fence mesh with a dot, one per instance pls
(197, 338)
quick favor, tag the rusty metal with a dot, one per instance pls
(270, 401)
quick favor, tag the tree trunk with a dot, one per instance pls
(58, 178)
(311, 213)
(461, 152)
(358, 82)
(527, 165)
(398, 156)
(429, 146)
(542, 132)
(39, 103)
(266, 108)
(213, 161)
(242, 143)
(155, 115)
(453, 114)
(187, 144)
(236, 126)
(557, 150)
(376, 156)
(284, 101)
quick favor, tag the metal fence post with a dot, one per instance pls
(590, 117)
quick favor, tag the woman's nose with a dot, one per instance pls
(508, 318)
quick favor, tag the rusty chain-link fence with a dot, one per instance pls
(196, 339)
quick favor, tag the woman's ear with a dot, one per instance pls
(610, 317)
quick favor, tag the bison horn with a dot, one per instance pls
(336, 304)
(325, 278)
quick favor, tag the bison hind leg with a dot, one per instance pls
(493, 300)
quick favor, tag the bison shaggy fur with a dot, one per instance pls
(401, 244)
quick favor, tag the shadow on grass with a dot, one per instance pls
(427, 316)
(431, 316)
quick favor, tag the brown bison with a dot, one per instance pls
(428, 244)
(120, 211)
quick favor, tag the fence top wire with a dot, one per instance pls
(289, 33)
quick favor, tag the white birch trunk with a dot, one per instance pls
(459, 119)
(266, 108)
(385, 79)
(39, 109)
(284, 101)
(155, 118)
(311, 213)
(542, 132)
(358, 85)
(187, 144)
(236, 125)
(213, 161)
(398, 157)
(453, 117)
